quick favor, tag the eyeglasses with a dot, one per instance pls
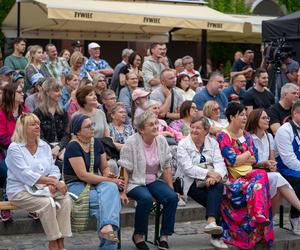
(151, 124)
(111, 98)
(216, 109)
(90, 126)
(266, 118)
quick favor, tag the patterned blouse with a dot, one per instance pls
(118, 136)
(180, 126)
(231, 148)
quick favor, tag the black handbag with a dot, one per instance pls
(178, 185)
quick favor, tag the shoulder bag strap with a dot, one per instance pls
(269, 145)
(172, 100)
(92, 156)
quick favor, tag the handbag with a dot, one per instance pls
(80, 208)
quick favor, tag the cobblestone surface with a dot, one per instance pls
(187, 234)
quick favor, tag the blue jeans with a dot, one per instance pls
(144, 195)
(3, 176)
(104, 205)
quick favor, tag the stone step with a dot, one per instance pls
(22, 224)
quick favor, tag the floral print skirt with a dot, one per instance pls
(246, 203)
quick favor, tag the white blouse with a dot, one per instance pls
(26, 169)
(263, 147)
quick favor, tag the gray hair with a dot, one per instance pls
(142, 119)
(126, 52)
(186, 58)
(148, 104)
(97, 77)
(286, 87)
(204, 121)
(214, 75)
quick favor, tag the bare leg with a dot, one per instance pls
(164, 237)
(61, 244)
(210, 219)
(106, 229)
(53, 245)
(276, 202)
(290, 196)
(138, 238)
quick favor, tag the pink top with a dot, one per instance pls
(152, 162)
(7, 128)
(72, 108)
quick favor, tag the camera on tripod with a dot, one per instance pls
(277, 51)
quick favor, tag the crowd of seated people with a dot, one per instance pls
(233, 151)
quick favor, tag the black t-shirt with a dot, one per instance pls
(74, 149)
(258, 99)
(278, 114)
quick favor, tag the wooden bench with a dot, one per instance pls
(7, 205)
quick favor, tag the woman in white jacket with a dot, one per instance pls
(202, 168)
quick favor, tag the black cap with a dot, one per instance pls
(76, 44)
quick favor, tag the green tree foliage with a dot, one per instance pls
(291, 5)
(5, 6)
(229, 6)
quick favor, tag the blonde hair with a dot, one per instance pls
(32, 52)
(75, 57)
(20, 135)
(208, 108)
(48, 85)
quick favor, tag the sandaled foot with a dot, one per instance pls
(109, 236)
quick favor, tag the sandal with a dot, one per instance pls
(109, 236)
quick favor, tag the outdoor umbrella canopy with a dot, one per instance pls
(286, 26)
(115, 20)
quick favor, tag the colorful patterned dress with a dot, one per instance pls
(247, 199)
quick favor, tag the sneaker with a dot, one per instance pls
(213, 228)
(218, 243)
(6, 215)
(295, 222)
(162, 244)
(181, 202)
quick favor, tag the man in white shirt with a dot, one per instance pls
(287, 141)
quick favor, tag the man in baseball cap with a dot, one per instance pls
(96, 65)
(77, 46)
(6, 73)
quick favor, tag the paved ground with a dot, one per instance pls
(188, 236)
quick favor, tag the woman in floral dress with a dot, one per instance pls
(246, 207)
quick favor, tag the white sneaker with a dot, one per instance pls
(218, 243)
(213, 228)
(181, 202)
(295, 225)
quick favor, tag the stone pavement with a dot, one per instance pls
(187, 236)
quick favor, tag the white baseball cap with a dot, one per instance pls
(93, 45)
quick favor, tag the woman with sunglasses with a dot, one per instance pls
(202, 184)
(246, 207)
(12, 107)
(104, 198)
(211, 110)
(257, 125)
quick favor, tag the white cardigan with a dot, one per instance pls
(132, 158)
(188, 158)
